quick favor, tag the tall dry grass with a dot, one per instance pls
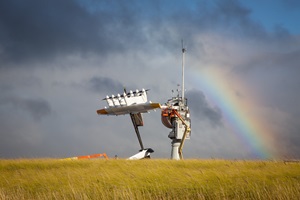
(148, 179)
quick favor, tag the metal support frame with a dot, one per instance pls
(187, 129)
(136, 130)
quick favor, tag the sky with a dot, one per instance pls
(59, 59)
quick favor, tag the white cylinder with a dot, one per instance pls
(175, 146)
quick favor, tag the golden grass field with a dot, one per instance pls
(148, 179)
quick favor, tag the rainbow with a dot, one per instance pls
(221, 89)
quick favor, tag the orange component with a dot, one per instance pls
(166, 118)
(93, 156)
(165, 113)
(102, 112)
(168, 113)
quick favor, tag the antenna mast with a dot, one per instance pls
(183, 59)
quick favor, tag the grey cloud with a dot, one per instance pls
(276, 77)
(37, 108)
(202, 110)
(228, 17)
(290, 139)
(37, 30)
(44, 30)
(104, 85)
(283, 60)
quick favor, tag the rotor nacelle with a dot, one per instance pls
(127, 99)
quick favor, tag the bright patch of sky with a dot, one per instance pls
(274, 15)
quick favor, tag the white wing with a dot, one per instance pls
(135, 108)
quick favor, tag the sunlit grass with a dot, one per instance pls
(148, 179)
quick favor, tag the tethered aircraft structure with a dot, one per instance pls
(175, 115)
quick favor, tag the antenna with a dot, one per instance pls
(183, 59)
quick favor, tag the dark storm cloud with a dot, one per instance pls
(43, 30)
(202, 110)
(37, 108)
(35, 30)
(229, 18)
(104, 85)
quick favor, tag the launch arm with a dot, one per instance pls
(187, 129)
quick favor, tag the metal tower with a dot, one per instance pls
(176, 116)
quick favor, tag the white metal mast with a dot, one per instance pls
(183, 60)
(176, 116)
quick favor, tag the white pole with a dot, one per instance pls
(175, 146)
(183, 57)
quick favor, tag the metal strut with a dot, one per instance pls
(187, 129)
(132, 116)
